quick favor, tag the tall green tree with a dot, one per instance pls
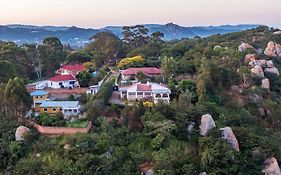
(53, 54)
(17, 100)
(7, 71)
(84, 78)
(34, 58)
(105, 47)
(168, 67)
(135, 36)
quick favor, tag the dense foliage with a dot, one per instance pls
(126, 140)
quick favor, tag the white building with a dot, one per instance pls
(95, 88)
(138, 91)
(63, 81)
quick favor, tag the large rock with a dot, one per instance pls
(244, 46)
(273, 49)
(21, 132)
(250, 57)
(203, 173)
(255, 98)
(265, 84)
(228, 135)
(272, 70)
(269, 64)
(271, 167)
(277, 33)
(207, 123)
(257, 71)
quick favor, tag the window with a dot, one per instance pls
(45, 109)
(158, 95)
(60, 109)
(75, 111)
(132, 93)
(139, 93)
(165, 95)
(70, 110)
(54, 109)
(72, 82)
(147, 94)
(60, 83)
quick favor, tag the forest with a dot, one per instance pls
(206, 76)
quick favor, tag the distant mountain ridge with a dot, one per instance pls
(80, 36)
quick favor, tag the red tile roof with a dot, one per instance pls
(145, 70)
(77, 67)
(143, 87)
(62, 78)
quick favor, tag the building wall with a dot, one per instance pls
(66, 84)
(50, 110)
(55, 110)
(42, 97)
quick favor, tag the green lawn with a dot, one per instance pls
(78, 124)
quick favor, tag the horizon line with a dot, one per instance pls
(68, 26)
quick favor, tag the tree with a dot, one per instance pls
(84, 78)
(34, 57)
(7, 71)
(105, 48)
(168, 67)
(135, 61)
(156, 36)
(53, 54)
(78, 57)
(135, 36)
(90, 66)
(16, 99)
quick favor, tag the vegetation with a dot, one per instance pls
(164, 137)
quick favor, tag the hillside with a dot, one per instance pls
(221, 114)
(80, 36)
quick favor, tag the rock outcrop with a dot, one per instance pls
(272, 70)
(265, 84)
(269, 64)
(244, 46)
(228, 135)
(250, 57)
(257, 71)
(21, 132)
(273, 49)
(207, 123)
(271, 167)
(277, 33)
(203, 173)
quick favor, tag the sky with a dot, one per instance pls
(100, 13)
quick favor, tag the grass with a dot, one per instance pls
(78, 124)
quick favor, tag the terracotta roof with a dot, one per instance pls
(62, 78)
(77, 67)
(145, 70)
(143, 87)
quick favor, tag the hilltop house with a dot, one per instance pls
(139, 91)
(70, 69)
(38, 97)
(130, 74)
(63, 81)
(66, 107)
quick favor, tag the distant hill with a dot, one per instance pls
(80, 36)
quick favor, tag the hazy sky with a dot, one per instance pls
(99, 13)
